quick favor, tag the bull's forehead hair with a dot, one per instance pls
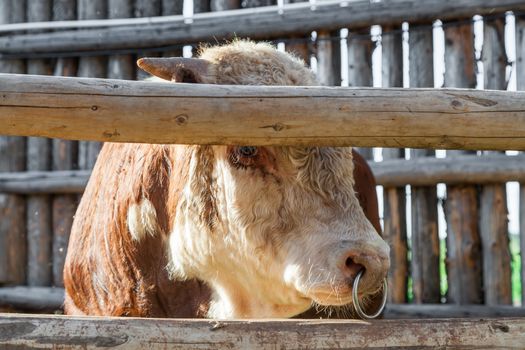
(245, 62)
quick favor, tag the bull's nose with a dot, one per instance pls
(371, 261)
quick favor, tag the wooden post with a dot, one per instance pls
(520, 79)
(360, 48)
(493, 219)
(222, 5)
(12, 158)
(121, 66)
(92, 67)
(65, 157)
(394, 199)
(257, 3)
(170, 8)
(39, 158)
(425, 239)
(464, 265)
(328, 59)
(297, 46)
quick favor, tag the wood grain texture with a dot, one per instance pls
(39, 227)
(92, 109)
(464, 265)
(360, 48)
(297, 45)
(392, 172)
(394, 198)
(418, 311)
(32, 298)
(13, 248)
(92, 67)
(425, 239)
(64, 157)
(328, 59)
(493, 198)
(123, 66)
(132, 333)
(259, 23)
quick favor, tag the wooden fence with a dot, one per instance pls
(36, 214)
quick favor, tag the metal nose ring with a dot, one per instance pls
(355, 299)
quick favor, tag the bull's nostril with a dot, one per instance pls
(352, 268)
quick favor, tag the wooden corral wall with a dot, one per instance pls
(36, 215)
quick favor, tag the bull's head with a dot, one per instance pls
(270, 229)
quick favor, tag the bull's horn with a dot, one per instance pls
(178, 69)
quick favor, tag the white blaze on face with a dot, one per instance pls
(142, 220)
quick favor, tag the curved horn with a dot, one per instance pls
(178, 69)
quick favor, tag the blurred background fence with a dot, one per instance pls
(445, 213)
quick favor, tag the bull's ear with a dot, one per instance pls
(178, 69)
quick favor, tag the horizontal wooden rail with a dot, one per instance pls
(32, 298)
(391, 173)
(416, 311)
(486, 169)
(50, 332)
(265, 22)
(129, 111)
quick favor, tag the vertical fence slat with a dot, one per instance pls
(13, 248)
(92, 67)
(257, 3)
(360, 47)
(394, 199)
(222, 5)
(121, 66)
(296, 45)
(328, 59)
(520, 80)
(64, 157)
(39, 158)
(425, 239)
(493, 222)
(464, 266)
(169, 8)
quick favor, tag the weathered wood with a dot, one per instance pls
(493, 200)
(123, 66)
(394, 198)
(39, 234)
(254, 23)
(418, 311)
(92, 109)
(146, 8)
(91, 67)
(297, 45)
(392, 172)
(12, 158)
(222, 5)
(425, 239)
(65, 157)
(32, 298)
(464, 265)
(520, 80)
(170, 8)
(134, 333)
(328, 59)
(360, 47)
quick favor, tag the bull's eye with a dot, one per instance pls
(247, 151)
(244, 156)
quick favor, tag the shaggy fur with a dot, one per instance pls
(160, 226)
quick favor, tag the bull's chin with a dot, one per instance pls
(331, 299)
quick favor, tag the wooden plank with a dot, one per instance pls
(146, 8)
(328, 59)
(92, 109)
(65, 157)
(32, 298)
(394, 198)
(390, 173)
(121, 66)
(360, 48)
(464, 266)
(222, 5)
(39, 234)
(418, 311)
(13, 247)
(300, 45)
(135, 333)
(425, 239)
(520, 80)
(259, 23)
(493, 199)
(91, 67)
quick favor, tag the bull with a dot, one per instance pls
(224, 231)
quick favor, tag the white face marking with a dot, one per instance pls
(142, 220)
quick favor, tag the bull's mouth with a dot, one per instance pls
(331, 296)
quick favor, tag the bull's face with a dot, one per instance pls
(273, 229)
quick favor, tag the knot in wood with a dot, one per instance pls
(94, 108)
(278, 126)
(181, 119)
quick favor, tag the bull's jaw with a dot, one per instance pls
(234, 300)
